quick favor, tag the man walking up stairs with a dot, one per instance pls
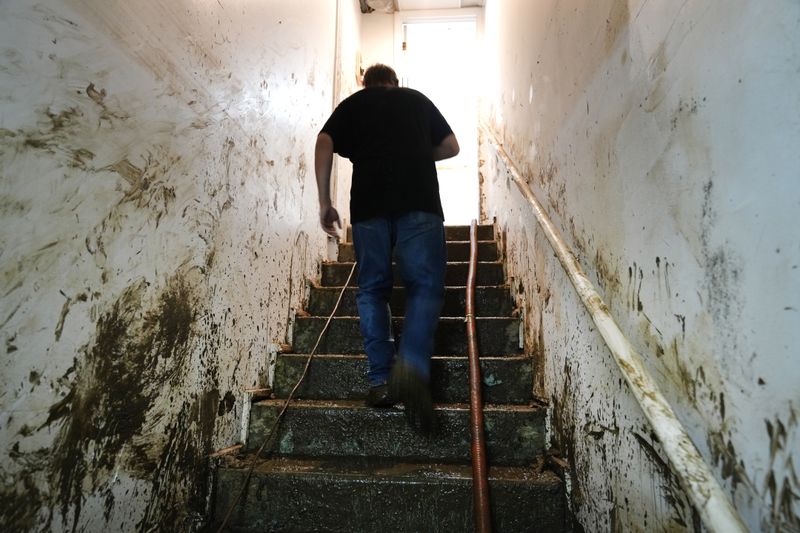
(393, 136)
(339, 465)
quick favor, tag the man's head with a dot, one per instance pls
(379, 75)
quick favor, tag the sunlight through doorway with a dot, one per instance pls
(439, 58)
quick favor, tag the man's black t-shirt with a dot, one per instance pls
(389, 134)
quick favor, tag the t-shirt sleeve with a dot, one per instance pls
(439, 126)
(337, 126)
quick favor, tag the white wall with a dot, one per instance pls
(377, 38)
(158, 221)
(347, 82)
(663, 139)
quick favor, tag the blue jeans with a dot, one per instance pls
(417, 240)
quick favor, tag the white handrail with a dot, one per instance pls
(695, 476)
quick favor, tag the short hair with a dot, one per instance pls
(379, 74)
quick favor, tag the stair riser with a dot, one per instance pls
(513, 436)
(505, 380)
(456, 251)
(489, 301)
(496, 336)
(283, 503)
(452, 233)
(488, 273)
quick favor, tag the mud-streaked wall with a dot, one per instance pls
(662, 137)
(158, 219)
(348, 64)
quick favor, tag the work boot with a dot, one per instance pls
(406, 385)
(378, 396)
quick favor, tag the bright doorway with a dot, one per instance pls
(439, 58)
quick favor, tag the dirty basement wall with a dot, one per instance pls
(158, 223)
(347, 82)
(662, 139)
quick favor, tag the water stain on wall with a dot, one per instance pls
(617, 21)
(107, 418)
(607, 274)
(299, 251)
(724, 454)
(673, 492)
(81, 297)
(108, 113)
(782, 481)
(20, 495)
(51, 134)
(723, 267)
(180, 478)
(564, 428)
(635, 280)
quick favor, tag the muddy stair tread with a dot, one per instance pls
(486, 273)
(515, 434)
(496, 335)
(506, 379)
(491, 300)
(381, 495)
(485, 232)
(456, 251)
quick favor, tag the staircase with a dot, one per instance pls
(337, 465)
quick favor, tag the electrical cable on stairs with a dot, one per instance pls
(271, 433)
(480, 475)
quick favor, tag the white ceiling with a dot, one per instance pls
(407, 5)
(388, 6)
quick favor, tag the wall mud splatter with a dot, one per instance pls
(116, 386)
(141, 174)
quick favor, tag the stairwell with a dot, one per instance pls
(337, 465)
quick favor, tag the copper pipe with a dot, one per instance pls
(480, 472)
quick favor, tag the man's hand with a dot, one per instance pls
(329, 219)
(323, 162)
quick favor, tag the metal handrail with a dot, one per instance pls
(480, 472)
(695, 476)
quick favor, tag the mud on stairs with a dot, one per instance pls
(337, 465)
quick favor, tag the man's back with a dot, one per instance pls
(389, 134)
(390, 123)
